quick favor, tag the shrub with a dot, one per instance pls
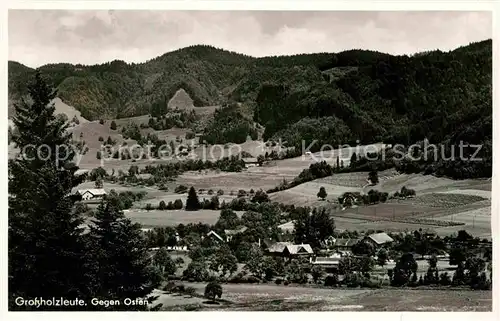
(101, 121)
(178, 204)
(278, 281)
(331, 280)
(190, 291)
(181, 189)
(190, 135)
(213, 290)
(113, 125)
(220, 192)
(101, 139)
(162, 206)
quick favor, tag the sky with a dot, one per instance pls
(38, 37)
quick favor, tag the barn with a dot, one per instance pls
(91, 194)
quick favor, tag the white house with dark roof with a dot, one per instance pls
(91, 194)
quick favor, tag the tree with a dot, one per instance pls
(403, 269)
(133, 170)
(260, 160)
(322, 193)
(354, 159)
(98, 183)
(113, 125)
(213, 290)
(192, 202)
(382, 257)
(197, 271)
(315, 228)
(162, 206)
(101, 121)
(228, 220)
(260, 197)
(178, 204)
(121, 261)
(98, 155)
(49, 261)
(224, 262)
(149, 207)
(164, 261)
(317, 273)
(255, 262)
(373, 177)
(214, 203)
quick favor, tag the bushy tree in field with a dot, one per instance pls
(162, 206)
(373, 177)
(322, 193)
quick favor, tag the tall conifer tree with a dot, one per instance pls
(46, 252)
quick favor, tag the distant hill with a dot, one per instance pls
(347, 97)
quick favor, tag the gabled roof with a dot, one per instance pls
(287, 226)
(299, 248)
(236, 231)
(93, 191)
(345, 242)
(215, 234)
(380, 238)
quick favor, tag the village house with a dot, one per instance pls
(288, 249)
(91, 194)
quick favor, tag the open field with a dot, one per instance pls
(263, 297)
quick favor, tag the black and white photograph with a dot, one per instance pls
(251, 160)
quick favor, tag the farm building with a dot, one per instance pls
(329, 264)
(296, 250)
(91, 194)
(344, 244)
(250, 161)
(379, 239)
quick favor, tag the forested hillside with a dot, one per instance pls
(336, 98)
